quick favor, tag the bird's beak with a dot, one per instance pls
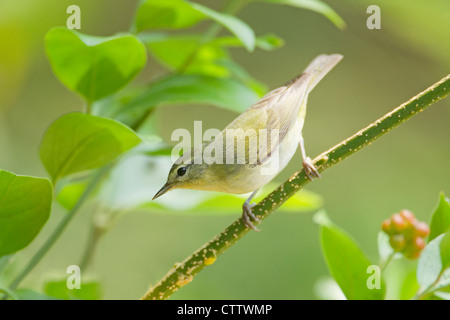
(163, 190)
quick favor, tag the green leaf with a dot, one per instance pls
(445, 250)
(440, 221)
(167, 14)
(316, 6)
(28, 294)
(90, 290)
(430, 266)
(409, 286)
(173, 52)
(236, 26)
(25, 204)
(229, 203)
(243, 76)
(177, 14)
(346, 261)
(384, 248)
(134, 179)
(77, 142)
(187, 54)
(94, 67)
(71, 192)
(220, 92)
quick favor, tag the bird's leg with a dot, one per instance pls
(247, 213)
(310, 171)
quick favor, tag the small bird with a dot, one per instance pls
(264, 139)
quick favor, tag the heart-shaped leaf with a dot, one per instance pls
(177, 14)
(94, 67)
(220, 92)
(186, 54)
(77, 142)
(25, 204)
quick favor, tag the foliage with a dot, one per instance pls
(87, 153)
(25, 204)
(430, 280)
(107, 154)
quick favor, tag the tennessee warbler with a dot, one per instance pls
(264, 138)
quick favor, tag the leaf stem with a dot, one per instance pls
(59, 229)
(388, 260)
(95, 235)
(429, 290)
(102, 221)
(183, 273)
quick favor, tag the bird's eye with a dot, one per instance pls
(181, 171)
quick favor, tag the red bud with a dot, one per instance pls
(398, 223)
(408, 215)
(422, 229)
(397, 242)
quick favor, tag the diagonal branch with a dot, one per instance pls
(183, 273)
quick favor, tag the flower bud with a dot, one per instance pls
(386, 226)
(418, 243)
(406, 233)
(412, 254)
(397, 242)
(398, 223)
(407, 216)
(422, 229)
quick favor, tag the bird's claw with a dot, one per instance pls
(247, 214)
(310, 170)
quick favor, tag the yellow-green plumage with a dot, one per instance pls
(281, 113)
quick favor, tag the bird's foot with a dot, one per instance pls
(247, 215)
(310, 170)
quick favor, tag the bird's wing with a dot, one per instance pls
(278, 110)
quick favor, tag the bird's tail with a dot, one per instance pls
(315, 71)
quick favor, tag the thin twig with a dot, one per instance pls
(388, 260)
(183, 273)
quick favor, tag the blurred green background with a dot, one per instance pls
(381, 69)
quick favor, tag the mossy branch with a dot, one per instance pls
(183, 273)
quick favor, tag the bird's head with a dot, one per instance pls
(185, 174)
